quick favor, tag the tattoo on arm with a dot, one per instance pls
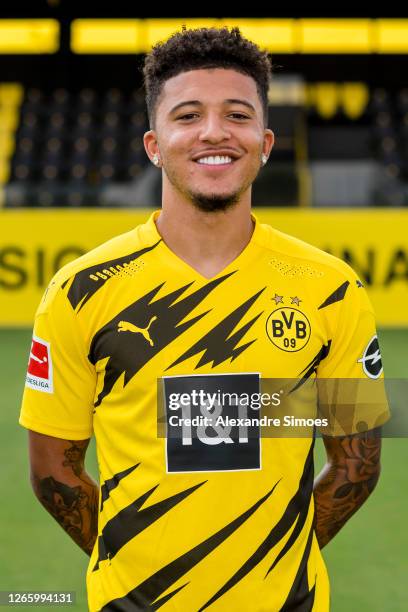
(73, 503)
(75, 457)
(346, 482)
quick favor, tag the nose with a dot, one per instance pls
(214, 130)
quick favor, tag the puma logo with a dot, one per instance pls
(124, 326)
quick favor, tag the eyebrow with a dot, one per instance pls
(198, 103)
(243, 102)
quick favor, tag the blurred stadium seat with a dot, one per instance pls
(85, 148)
(71, 126)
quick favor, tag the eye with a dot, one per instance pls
(238, 115)
(187, 116)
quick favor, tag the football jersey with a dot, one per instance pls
(214, 518)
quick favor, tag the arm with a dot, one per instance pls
(62, 485)
(345, 482)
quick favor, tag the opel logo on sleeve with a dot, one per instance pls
(371, 359)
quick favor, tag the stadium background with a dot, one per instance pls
(73, 174)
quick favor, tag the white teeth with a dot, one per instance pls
(215, 160)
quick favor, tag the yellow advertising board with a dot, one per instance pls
(34, 244)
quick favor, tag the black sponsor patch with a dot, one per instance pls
(371, 359)
(207, 419)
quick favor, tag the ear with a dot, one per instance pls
(151, 145)
(269, 139)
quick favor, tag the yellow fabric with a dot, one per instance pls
(130, 312)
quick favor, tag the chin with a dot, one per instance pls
(214, 202)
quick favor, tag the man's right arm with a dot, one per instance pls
(61, 484)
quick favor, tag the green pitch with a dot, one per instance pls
(367, 561)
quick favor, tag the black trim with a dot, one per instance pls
(300, 599)
(143, 596)
(295, 507)
(111, 484)
(83, 287)
(219, 344)
(130, 521)
(336, 296)
(129, 352)
(311, 367)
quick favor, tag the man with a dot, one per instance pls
(203, 299)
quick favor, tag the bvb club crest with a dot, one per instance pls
(288, 329)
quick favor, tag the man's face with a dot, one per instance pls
(209, 136)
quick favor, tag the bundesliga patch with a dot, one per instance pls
(39, 371)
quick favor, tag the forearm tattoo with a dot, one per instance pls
(74, 506)
(346, 482)
(75, 457)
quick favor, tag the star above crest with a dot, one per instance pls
(278, 299)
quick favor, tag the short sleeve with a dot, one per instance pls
(60, 381)
(351, 380)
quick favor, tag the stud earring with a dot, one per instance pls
(264, 159)
(155, 159)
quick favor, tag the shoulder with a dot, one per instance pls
(298, 258)
(91, 270)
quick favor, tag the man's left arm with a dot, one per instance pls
(348, 478)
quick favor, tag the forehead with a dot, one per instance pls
(208, 86)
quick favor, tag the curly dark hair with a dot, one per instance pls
(205, 48)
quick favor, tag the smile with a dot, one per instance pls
(216, 160)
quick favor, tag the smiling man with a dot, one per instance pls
(201, 301)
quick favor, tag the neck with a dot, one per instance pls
(207, 241)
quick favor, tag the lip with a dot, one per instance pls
(215, 168)
(234, 155)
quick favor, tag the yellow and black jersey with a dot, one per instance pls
(212, 520)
